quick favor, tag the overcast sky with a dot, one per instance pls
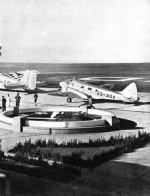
(75, 31)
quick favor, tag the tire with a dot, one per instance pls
(69, 100)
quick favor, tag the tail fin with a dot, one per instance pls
(29, 79)
(32, 80)
(130, 92)
(25, 78)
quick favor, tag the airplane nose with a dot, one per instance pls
(62, 84)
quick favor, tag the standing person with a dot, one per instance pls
(8, 101)
(17, 100)
(35, 98)
(3, 104)
(91, 102)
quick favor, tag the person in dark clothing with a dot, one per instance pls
(3, 104)
(35, 98)
(17, 100)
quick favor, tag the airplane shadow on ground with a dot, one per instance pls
(142, 103)
(117, 102)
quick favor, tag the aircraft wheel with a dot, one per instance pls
(69, 100)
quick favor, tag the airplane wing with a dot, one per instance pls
(99, 82)
(14, 75)
(17, 75)
(64, 94)
(107, 86)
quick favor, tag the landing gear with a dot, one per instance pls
(69, 100)
(136, 102)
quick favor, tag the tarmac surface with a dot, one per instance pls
(126, 175)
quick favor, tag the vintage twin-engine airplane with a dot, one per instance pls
(87, 91)
(25, 81)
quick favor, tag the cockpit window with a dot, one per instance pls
(68, 82)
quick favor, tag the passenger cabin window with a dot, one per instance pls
(68, 82)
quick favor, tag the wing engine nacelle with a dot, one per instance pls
(63, 90)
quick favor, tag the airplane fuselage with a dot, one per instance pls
(85, 91)
(24, 83)
(8, 82)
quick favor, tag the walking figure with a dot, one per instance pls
(35, 98)
(3, 104)
(17, 100)
(8, 101)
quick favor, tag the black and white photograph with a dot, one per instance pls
(75, 98)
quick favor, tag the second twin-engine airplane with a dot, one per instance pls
(26, 83)
(87, 91)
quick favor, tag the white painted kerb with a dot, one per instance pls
(65, 124)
